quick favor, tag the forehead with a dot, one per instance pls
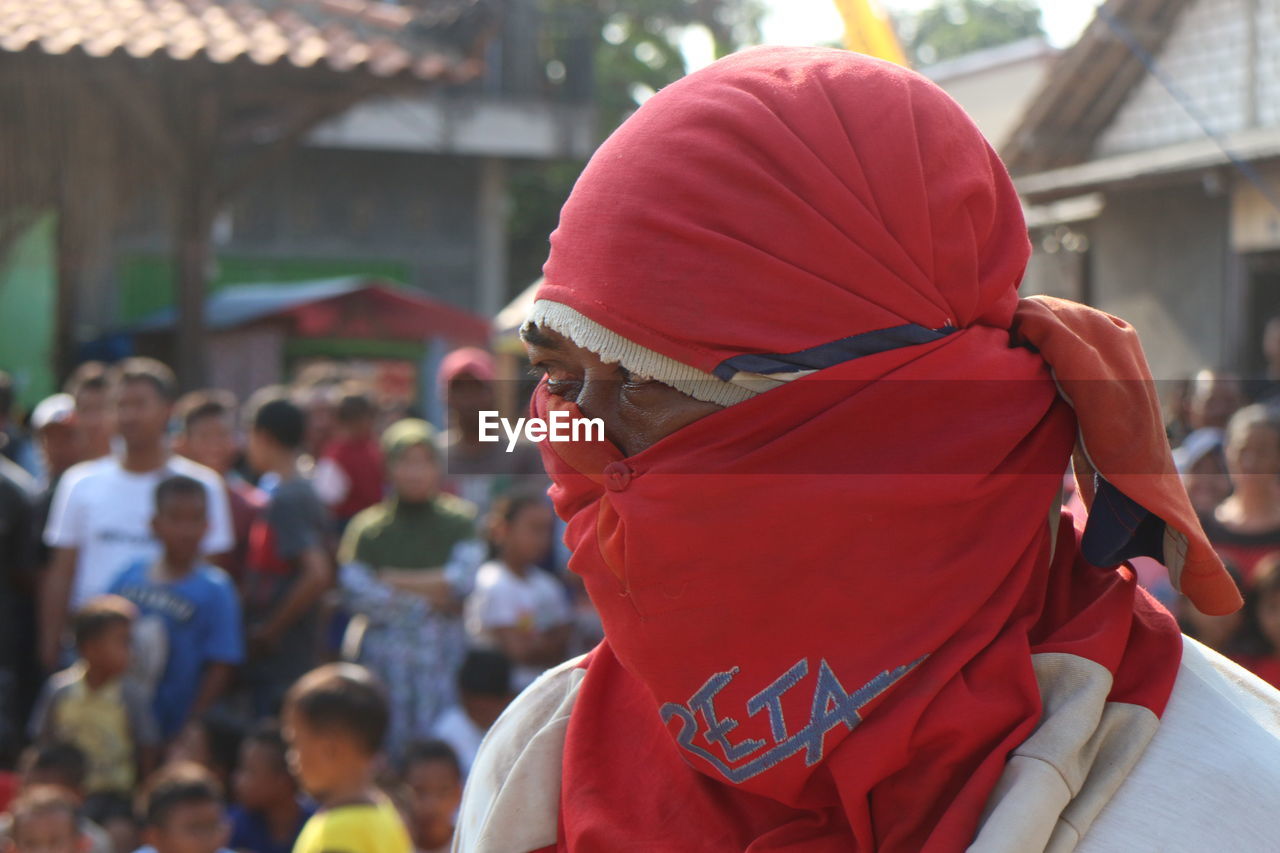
(431, 771)
(211, 421)
(138, 386)
(183, 501)
(45, 822)
(192, 811)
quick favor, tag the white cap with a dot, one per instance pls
(1197, 445)
(58, 409)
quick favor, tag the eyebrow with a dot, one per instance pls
(532, 334)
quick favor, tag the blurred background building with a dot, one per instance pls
(1149, 164)
(157, 152)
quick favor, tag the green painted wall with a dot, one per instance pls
(146, 281)
(28, 287)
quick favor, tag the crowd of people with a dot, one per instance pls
(263, 626)
(1226, 436)
(266, 626)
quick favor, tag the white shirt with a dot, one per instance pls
(503, 599)
(105, 512)
(458, 730)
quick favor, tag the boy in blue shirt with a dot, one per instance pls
(189, 634)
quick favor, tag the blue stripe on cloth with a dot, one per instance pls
(833, 353)
(1119, 529)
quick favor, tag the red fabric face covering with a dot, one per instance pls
(820, 604)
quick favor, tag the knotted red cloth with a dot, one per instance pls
(820, 604)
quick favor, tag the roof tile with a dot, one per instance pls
(344, 35)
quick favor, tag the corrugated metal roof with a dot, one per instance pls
(317, 307)
(380, 38)
(242, 303)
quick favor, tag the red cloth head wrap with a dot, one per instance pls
(821, 603)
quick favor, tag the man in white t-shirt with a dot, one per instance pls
(100, 521)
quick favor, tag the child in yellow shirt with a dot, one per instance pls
(335, 718)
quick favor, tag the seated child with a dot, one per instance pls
(114, 814)
(181, 810)
(516, 607)
(44, 820)
(62, 766)
(192, 605)
(335, 719)
(268, 815)
(484, 691)
(433, 777)
(213, 742)
(92, 705)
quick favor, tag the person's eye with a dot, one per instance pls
(558, 383)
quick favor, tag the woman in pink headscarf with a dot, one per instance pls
(843, 610)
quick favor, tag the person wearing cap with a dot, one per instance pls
(58, 434)
(479, 471)
(1202, 462)
(62, 445)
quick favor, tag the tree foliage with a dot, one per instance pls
(638, 51)
(952, 28)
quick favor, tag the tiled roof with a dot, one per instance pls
(421, 38)
(1085, 86)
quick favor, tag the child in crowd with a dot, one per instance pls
(348, 474)
(208, 436)
(268, 814)
(335, 719)
(290, 559)
(182, 810)
(115, 815)
(188, 608)
(484, 691)
(44, 820)
(517, 607)
(90, 387)
(433, 778)
(62, 766)
(213, 742)
(93, 705)
(1260, 642)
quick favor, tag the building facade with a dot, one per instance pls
(1150, 167)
